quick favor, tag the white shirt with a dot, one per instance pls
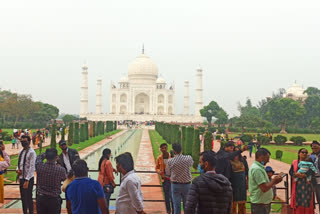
(29, 167)
(66, 161)
(130, 198)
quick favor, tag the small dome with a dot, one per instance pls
(296, 91)
(143, 68)
(160, 80)
(124, 79)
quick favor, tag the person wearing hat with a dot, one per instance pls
(68, 156)
(315, 145)
(270, 173)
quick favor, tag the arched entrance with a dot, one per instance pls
(142, 104)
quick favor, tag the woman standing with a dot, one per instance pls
(239, 182)
(106, 178)
(4, 164)
(302, 195)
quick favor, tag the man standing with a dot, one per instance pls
(130, 198)
(25, 171)
(49, 178)
(85, 195)
(161, 164)
(179, 171)
(260, 187)
(316, 179)
(215, 190)
(224, 156)
(68, 156)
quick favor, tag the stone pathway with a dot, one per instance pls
(145, 162)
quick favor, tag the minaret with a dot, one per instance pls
(186, 98)
(199, 90)
(99, 92)
(84, 91)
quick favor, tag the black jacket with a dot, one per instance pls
(223, 162)
(73, 156)
(209, 193)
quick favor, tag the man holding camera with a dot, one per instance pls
(49, 178)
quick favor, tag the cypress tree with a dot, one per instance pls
(208, 141)
(189, 140)
(82, 134)
(53, 142)
(63, 133)
(183, 138)
(76, 137)
(196, 148)
(115, 123)
(94, 128)
(70, 134)
(97, 128)
(91, 129)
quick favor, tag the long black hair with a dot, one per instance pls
(105, 155)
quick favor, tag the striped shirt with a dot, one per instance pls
(179, 168)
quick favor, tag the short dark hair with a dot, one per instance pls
(51, 153)
(210, 157)
(26, 137)
(177, 147)
(262, 152)
(80, 168)
(163, 144)
(230, 143)
(126, 161)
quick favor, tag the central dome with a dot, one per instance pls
(142, 68)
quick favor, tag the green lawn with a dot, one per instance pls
(156, 141)
(14, 158)
(10, 132)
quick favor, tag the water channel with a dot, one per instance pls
(127, 142)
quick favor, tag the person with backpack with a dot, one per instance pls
(25, 171)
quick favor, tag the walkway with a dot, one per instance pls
(145, 162)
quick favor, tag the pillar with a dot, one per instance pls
(199, 101)
(99, 95)
(84, 92)
(186, 98)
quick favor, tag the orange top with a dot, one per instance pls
(106, 173)
(160, 165)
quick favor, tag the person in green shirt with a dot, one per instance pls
(260, 187)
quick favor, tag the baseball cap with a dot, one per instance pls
(269, 169)
(61, 142)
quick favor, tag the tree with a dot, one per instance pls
(312, 91)
(196, 148)
(284, 111)
(189, 140)
(183, 138)
(312, 107)
(82, 133)
(76, 137)
(63, 133)
(70, 134)
(68, 118)
(53, 142)
(208, 141)
(212, 110)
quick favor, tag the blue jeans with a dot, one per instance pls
(179, 191)
(166, 185)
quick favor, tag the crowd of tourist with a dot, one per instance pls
(222, 187)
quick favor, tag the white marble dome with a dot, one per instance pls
(296, 92)
(160, 80)
(143, 68)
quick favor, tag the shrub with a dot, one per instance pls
(298, 140)
(279, 154)
(263, 140)
(207, 141)
(218, 137)
(94, 129)
(70, 134)
(280, 140)
(196, 148)
(82, 134)
(189, 140)
(115, 123)
(246, 138)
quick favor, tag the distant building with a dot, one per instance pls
(295, 92)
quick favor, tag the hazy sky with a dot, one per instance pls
(246, 48)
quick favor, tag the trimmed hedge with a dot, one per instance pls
(246, 138)
(189, 140)
(183, 139)
(208, 141)
(263, 140)
(280, 140)
(53, 142)
(76, 137)
(70, 134)
(298, 140)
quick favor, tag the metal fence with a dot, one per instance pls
(285, 187)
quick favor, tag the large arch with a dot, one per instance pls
(160, 110)
(142, 104)
(123, 98)
(161, 98)
(123, 109)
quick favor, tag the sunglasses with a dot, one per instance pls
(304, 152)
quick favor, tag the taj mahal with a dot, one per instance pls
(141, 95)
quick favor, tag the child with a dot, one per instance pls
(270, 173)
(305, 166)
(13, 140)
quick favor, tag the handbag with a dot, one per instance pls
(107, 188)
